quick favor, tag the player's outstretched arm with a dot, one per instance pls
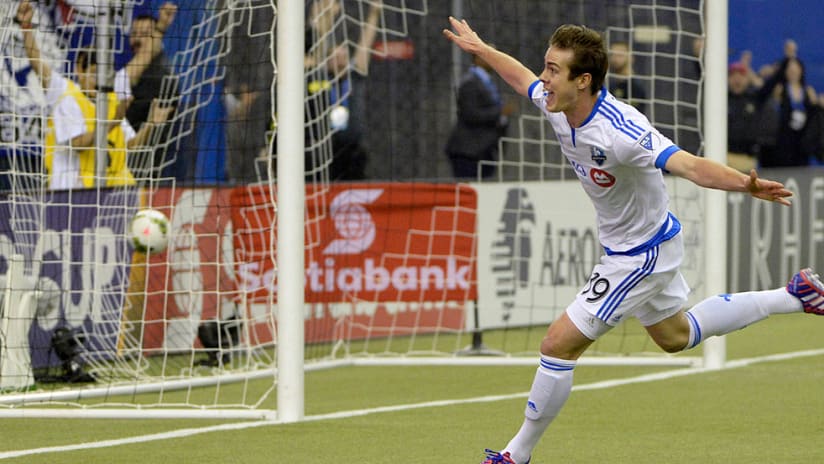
(518, 76)
(711, 174)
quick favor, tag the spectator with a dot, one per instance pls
(754, 81)
(72, 130)
(748, 121)
(248, 97)
(148, 76)
(790, 51)
(621, 81)
(797, 138)
(344, 84)
(482, 121)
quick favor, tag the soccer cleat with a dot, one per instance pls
(807, 287)
(494, 457)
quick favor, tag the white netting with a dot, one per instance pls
(401, 261)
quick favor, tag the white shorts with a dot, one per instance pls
(648, 286)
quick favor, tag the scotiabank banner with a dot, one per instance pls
(381, 259)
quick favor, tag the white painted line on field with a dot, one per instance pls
(406, 407)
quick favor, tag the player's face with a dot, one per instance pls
(562, 92)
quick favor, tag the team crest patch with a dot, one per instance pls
(646, 141)
(598, 155)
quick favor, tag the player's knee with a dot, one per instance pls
(673, 343)
(671, 334)
(557, 348)
(564, 340)
(547, 347)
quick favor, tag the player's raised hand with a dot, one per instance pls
(768, 190)
(463, 36)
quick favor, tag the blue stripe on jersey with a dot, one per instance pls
(636, 126)
(665, 155)
(617, 297)
(617, 119)
(670, 229)
(626, 125)
(597, 106)
(557, 366)
(532, 87)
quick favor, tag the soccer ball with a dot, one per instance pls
(149, 231)
(339, 118)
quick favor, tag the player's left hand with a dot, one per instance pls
(768, 190)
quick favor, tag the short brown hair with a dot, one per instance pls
(588, 52)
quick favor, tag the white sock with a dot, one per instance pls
(549, 392)
(723, 314)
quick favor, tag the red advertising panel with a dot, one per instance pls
(381, 259)
(193, 279)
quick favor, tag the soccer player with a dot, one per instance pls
(619, 158)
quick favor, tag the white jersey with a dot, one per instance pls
(618, 157)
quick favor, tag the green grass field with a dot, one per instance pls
(762, 412)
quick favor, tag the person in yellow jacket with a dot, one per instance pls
(71, 129)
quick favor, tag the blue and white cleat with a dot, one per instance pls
(494, 457)
(807, 287)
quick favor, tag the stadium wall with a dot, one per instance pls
(401, 254)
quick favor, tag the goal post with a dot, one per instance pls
(290, 210)
(715, 141)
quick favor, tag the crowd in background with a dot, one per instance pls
(775, 118)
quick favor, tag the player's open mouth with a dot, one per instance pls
(550, 98)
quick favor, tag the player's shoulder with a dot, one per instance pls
(613, 108)
(621, 119)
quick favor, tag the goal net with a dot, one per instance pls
(403, 262)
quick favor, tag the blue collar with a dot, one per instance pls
(601, 97)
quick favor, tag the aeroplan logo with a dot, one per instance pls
(353, 222)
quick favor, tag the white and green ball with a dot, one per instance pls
(149, 231)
